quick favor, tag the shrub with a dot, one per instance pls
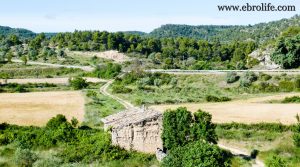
(180, 127)
(48, 162)
(275, 161)
(297, 83)
(264, 77)
(78, 83)
(108, 70)
(198, 154)
(232, 77)
(294, 99)
(20, 89)
(296, 135)
(120, 89)
(24, 157)
(248, 79)
(57, 121)
(286, 86)
(211, 98)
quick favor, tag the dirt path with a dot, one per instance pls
(253, 110)
(104, 91)
(241, 153)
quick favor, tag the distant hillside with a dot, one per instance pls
(135, 33)
(23, 33)
(258, 32)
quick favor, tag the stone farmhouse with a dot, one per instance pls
(136, 129)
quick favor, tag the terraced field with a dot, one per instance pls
(38, 107)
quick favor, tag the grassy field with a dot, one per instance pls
(19, 70)
(98, 106)
(38, 107)
(196, 88)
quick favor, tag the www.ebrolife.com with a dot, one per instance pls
(263, 7)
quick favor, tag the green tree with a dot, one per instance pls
(181, 127)
(24, 59)
(78, 83)
(9, 56)
(197, 154)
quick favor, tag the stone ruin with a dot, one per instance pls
(136, 129)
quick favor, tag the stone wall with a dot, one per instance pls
(142, 136)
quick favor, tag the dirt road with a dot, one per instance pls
(104, 91)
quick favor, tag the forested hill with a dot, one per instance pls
(22, 33)
(259, 32)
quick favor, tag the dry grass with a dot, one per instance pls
(253, 110)
(38, 107)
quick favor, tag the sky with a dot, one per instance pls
(129, 15)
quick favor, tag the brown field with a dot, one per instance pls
(48, 80)
(38, 107)
(253, 110)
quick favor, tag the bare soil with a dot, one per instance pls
(38, 107)
(111, 54)
(252, 110)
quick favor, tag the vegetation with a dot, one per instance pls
(259, 32)
(94, 145)
(294, 99)
(78, 83)
(30, 87)
(108, 70)
(99, 106)
(197, 154)
(296, 136)
(287, 52)
(8, 71)
(232, 77)
(210, 98)
(181, 127)
(189, 139)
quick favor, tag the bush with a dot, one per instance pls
(197, 154)
(264, 77)
(180, 127)
(296, 135)
(286, 86)
(232, 77)
(78, 83)
(294, 99)
(211, 98)
(56, 122)
(297, 83)
(275, 161)
(24, 157)
(248, 79)
(20, 89)
(108, 70)
(48, 162)
(120, 89)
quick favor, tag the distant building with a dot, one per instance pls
(137, 129)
